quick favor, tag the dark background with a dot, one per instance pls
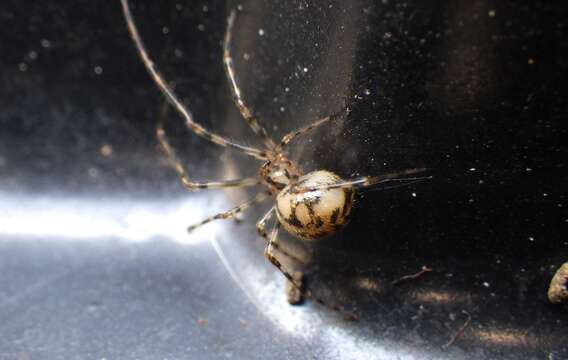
(94, 261)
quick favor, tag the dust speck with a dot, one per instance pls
(106, 150)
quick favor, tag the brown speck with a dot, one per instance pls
(424, 270)
(106, 150)
(201, 321)
(530, 61)
(243, 322)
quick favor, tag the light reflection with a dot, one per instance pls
(441, 297)
(307, 324)
(369, 284)
(135, 220)
(127, 219)
(505, 337)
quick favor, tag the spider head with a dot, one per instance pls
(278, 172)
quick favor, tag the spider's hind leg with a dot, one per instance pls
(269, 253)
(367, 181)
(293, 278)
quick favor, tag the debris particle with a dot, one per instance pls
(459, 332)
(558, 290)
(106, 150)
(424, 270)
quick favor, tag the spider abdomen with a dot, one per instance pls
(317, 213)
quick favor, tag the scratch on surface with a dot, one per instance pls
(233, 274)
(29, 290)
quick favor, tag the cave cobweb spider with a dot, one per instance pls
(308, 206)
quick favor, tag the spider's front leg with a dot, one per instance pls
(286, 139)
(179, 168)
(236, 90)
(260, 197)
(173, 99)
(261, 224)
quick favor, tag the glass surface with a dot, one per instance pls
(95, 261)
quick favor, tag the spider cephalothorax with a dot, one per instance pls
(277, 172)
(308, 206)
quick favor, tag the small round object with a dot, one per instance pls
(314, 214)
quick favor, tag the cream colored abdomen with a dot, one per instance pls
(314, 214)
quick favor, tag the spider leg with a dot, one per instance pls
(261, 229)
(286, 139)
(177, 165)
(293, 134)
(272, 241)
(292, 279)
(235, 89)
(366, 181)
(261, 224)
(234, 211)
(173, 99)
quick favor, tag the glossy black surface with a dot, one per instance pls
(94, 258)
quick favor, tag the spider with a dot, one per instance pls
(308, 206)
